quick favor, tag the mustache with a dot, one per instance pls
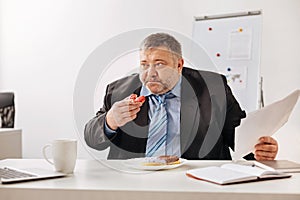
(152, 80)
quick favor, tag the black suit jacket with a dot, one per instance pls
(209, 115)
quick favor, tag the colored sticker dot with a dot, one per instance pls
(240, 30)
(229, 69)
(210, 28)
(218, 54)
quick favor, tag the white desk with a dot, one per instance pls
(92, 180)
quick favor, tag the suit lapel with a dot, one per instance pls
(142, 118)
(189, 115)
(135, 133)
(139, 126)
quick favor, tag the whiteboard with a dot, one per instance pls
(233, 42)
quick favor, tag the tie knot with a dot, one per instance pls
(158, 99)
(161, 98)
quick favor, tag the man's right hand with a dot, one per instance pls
(123, 112)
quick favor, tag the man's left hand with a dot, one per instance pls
(266, 148)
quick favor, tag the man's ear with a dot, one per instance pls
(180, 64)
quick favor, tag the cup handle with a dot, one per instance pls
(45, 155)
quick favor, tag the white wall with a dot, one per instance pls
(44, 43)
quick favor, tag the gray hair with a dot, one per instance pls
(162, 40)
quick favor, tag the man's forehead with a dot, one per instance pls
(161, 49)
(155, 51)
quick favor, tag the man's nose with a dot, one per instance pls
(152, 71)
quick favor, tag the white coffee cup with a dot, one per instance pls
(64, 153)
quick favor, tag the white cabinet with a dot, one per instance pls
(10, 143)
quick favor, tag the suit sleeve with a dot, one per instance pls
(233, 119)
(94, 132)
(234, 114)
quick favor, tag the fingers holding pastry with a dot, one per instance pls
(124, 111)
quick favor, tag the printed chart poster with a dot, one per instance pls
(236, 76)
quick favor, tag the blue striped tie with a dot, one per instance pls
(157, 136)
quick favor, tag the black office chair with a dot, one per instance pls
(7, 109)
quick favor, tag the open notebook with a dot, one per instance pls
(234, 173)
(13, 175)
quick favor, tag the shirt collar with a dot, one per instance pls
(176, 90)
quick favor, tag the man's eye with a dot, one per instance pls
(159, 65)
(143, 66)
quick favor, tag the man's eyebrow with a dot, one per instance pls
(158, 59)
(155, 60)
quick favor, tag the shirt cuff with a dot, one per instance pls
(108, 132)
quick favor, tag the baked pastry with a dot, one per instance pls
(161, 160)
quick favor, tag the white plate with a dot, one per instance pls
(137, 163)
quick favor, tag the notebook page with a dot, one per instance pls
(253, 170)
(219, 175)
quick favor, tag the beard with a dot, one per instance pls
(157, 86)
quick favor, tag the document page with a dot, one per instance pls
(263, 122)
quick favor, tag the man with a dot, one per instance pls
(197, 109)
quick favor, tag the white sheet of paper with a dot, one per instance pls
(263, 122)
(240, 44)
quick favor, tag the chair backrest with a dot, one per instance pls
(7, 110)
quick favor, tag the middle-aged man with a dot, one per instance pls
(188, 113)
